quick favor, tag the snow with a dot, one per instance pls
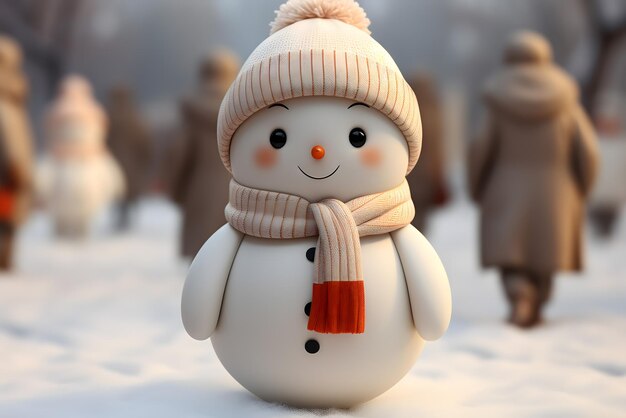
(93, 329)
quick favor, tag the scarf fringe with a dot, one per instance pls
(338, 307)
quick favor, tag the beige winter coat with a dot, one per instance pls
(16, 148)
(197, 179)
(531, 169)
(427, 180)
(129, 141)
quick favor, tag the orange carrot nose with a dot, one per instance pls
(318, 152)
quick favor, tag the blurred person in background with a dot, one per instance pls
(198, 182)
(609, 194)
(427, 180)
(131, 146)
(78, 177)
(531, 168)
(16, 153)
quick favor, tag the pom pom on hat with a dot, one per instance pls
(528, 47)
(76, 86)
(347, 11)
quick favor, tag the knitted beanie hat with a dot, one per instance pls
(320, 48)
(75, 101)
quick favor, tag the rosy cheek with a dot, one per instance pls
(371, 157)
(265, 157)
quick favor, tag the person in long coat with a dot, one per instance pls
(609, 194)
(16, 148)
(198, 182)
(129, 142)
(531, 169)
(427, 180)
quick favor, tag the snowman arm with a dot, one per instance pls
(427, 283)
(206, 282)
(118, 181)
(43, 180)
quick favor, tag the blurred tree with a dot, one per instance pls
(44, 29)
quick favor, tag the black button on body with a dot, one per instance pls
(312, 346)
(307, 309)
(310, 254)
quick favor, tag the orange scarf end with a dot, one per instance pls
(338, 307)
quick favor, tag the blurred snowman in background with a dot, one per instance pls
(77, 177)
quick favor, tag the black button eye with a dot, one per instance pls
(278, 138)
(357, 137)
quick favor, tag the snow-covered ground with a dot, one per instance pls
(92, 329)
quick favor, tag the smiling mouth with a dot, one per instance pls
(318, 178)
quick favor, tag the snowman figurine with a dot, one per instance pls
(318, 292)
(77, 177)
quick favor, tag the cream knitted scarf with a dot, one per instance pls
(338, 302)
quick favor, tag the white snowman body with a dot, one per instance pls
(249, 294)
(76, 190)
(264, 327)
(78, 177)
